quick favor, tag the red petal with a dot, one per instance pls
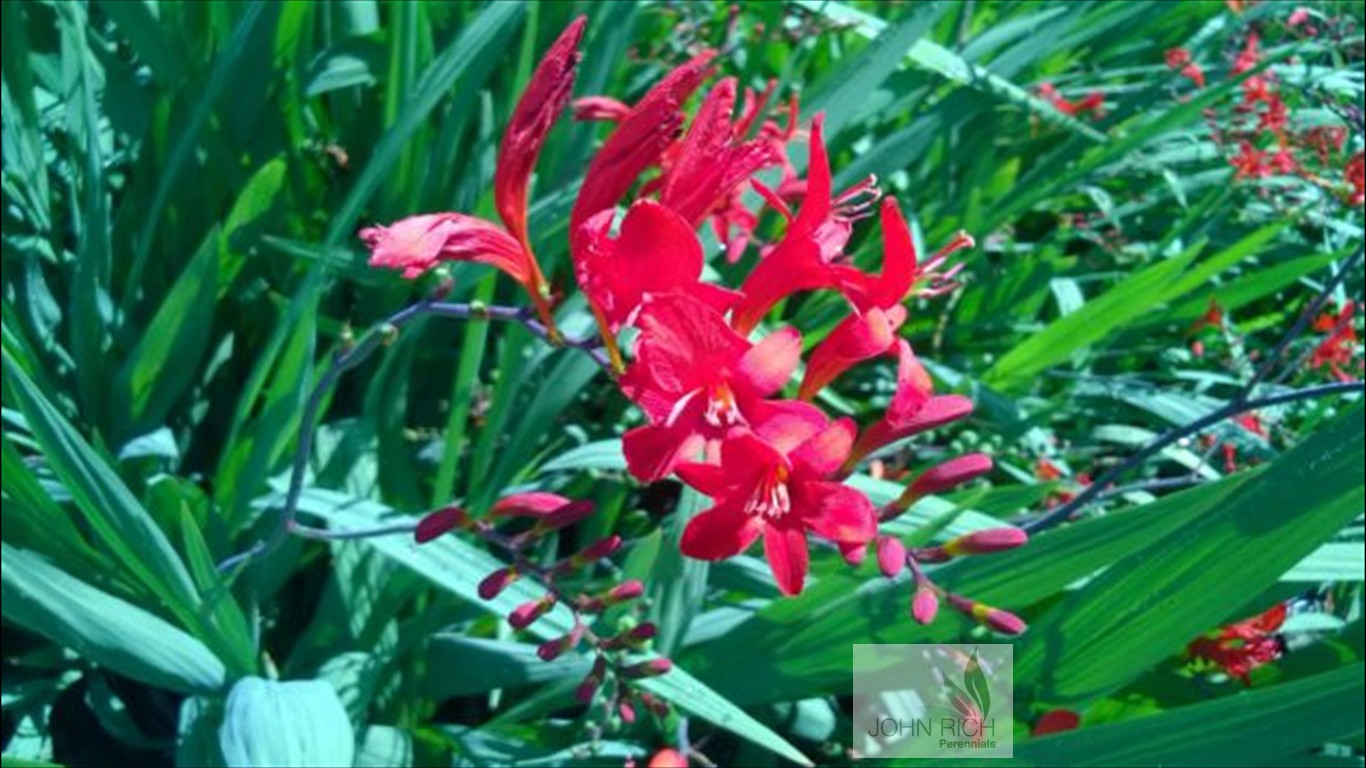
(835, 511)
(794, 265)
(935, 413)
(823, 455)
(652, 452)
(857, 338)
(418, 243)
(708, 479)
(540, 106)
(720, 532)
(898, 258)
(747, 458)
(768, 365)
(685, 342)
(786, 424)
(787, 554)
(638, 141)
(952, 473)
(913, 386)
(815, 208)
(531, 504)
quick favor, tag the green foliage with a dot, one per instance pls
(182, 187)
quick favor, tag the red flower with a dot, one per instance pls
(807, 258)
(1250, 162)
(668, 758)
(1056, 721)
(1355, 174)
(774, 482)
(1179, 59)
(1338, 348)
(1242, 647)
(712, 159)
(1093, 102)
(914, 408)
(1213, 317)
(872, 329)
(697, 380)
(417, 243)
(656, 252)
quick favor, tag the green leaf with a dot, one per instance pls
(690, 694)
(102, 628)
(1149, 605)
(472, 665)
(298, 723)
(119, 521)
(677, 583)
(168, 354)
(1261, 727)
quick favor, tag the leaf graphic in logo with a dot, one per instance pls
(975, 681)
(961, 700)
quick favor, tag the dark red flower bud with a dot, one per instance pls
(434, 524)
(494, 583)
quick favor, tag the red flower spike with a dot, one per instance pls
(494, 583)
(656, 253)
(924, 605)
(546, 94)
(697, 380)
(774, 482)
(712, 159)
(668, 758)
(443, 520)
(1056, 721)
(985, 542)
(1354, 173)
(891, 556)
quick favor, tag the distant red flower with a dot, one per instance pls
(1093, 103)
(1340, 345)
(1355, 175)
(774, 481)
(1179, 59)
(1242, 647)
(697, 380)
(1056, 721)
(1213, 317)
(1250, 162)
(418, 243)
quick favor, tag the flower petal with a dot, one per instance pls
(540, 106)
(768, 365)
(835, 511)
(417, 243)
(914, 387)
(530, 504)
(652, 452)
(785, 547)
(823, 454)
(707, 479)
(720, 532)
(785, 424)
(857, 338)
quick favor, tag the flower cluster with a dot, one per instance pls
(1239, 648)
(704, 364)
(1261, 131)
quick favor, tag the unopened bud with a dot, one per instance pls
(658, 706)
(651, 668)
(527, 613)
(627, 590)
(551, 649)
(924, 605)
(985, 542)
(496, 582)
(946, 476)
(628, 712)
(596, 551)
(998, 620)
(585, 691)
(891, 556)
(436, 523)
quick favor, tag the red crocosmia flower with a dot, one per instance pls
(668, 758)
(1213, 317)
(656, 252)
(1355, 175)
(808, 257)
(712, 159)
(1093, 102)
(1250, 162)
(872, 329)
(1056, 721)
(418, 243)
(774, 482)
(1242, 647)
(638, 142)
(1338, 348)
(914, 408)
(1180, 60)
(697, 380)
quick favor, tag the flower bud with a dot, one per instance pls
(668, 758)
(551, 649)
(596, 551)
(924, 605)
(949, 475)
(496, 582)
(998, 620)
(627, 590)
(589, 687)
(652, 668)
(434, 524)
(658, 706)
(891, 556)
(627, 712)
(985, 542)
(527, 613)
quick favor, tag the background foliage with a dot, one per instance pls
(182, 186)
